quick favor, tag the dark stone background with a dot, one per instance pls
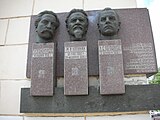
(135, 28)
(136, 98)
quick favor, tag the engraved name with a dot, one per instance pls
(110, 49)
(43, 52)
(76, 52)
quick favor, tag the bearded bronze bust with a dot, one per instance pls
(77, 24)
(108, 23)
(45, 26)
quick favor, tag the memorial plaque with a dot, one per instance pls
(142, 57)
(75, 68)
(111, 71)
(43, 69)
(135, 32)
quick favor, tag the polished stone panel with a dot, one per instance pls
(15, 8)
(136, 98)
(10, 95)
(111, 71)
(3, 29)
(75, 68)
(43, 69)
(135, 33)
(53, 118)
(13, 62)
(11, 117)
(20, 33)
(136, 116)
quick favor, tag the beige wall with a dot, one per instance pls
(14, 33)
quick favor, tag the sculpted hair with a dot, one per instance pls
(39, 17)
(74, 11)
(107, 9)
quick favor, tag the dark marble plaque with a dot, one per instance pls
(135, 32)
(43, 69)
(136, 98)
(75, 68)
(111, 71)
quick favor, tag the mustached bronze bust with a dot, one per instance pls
(46, 25)
(108, 23)
(77, 24)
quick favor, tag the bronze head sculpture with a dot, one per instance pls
(108, 22)
(46, 25)
(77, 24)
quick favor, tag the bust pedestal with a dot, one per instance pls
(43, 69)
(75, 68)
(111, 73)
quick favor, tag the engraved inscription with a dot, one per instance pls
(110, 49)
(43, 52)
(144, 57)
(76, 52)
(41, 74)
(75, 71)
(110, 70)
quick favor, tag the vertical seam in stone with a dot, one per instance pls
(15, 17)
(33, 6)
(6, 32)
(0, 89)
(136, 3)
(83, 4)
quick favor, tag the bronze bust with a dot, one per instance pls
(46, 25)
(108, 23)
(77, 24)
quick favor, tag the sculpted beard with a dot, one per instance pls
(78, 31)
(48, 34)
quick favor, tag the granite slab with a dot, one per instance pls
(43, 69)
(75, 68)
(111, 72)
(136, 98)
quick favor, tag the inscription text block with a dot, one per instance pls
(43, 69)
(75, 68)
(142, 60)
(111, 71)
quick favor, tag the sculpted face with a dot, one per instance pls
(46, 27)
(77, 25)
(108, 23)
